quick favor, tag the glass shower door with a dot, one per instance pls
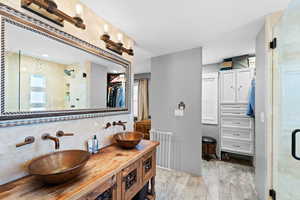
(286, 165)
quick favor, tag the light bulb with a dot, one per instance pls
(105, 28)
(79, 10)
(130, 44)
(120, 37)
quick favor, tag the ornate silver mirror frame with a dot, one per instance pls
(13, 16)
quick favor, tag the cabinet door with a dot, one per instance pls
(228, 85)
(105, 191)
(243, 83)
(210, 98)
(131, 180)
(148, 167)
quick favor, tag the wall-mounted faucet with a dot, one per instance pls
(47, 136)
(61, 134)
(120, 123)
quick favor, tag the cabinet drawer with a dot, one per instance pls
(240, 107)
(233, 113)
(237, 134)
(105, 191)
(148, 166)
(237, 146)
(236, 122)
(131, 180)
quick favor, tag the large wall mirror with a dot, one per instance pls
(45, 76)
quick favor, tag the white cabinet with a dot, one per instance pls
(228, 85)
(236, 128)
(243, 83)
(235, 85)
(210, 98)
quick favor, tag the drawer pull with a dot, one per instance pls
(130, 179)
(237, 146)
(230, 107)
(233, 113)
(236, 134)
(148, 165)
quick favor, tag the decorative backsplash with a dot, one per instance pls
(13, 160)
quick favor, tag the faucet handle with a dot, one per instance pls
(108, 124)
(61, 134)
(28, 140)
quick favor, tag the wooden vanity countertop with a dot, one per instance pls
(98, 169)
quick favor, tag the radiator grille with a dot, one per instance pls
(164, 149)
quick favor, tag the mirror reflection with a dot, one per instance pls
(43, 74)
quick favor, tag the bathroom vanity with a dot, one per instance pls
(113, 173)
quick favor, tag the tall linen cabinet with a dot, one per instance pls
(236, 128)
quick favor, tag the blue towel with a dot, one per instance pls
(251, 100)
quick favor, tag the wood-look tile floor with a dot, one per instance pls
(220, 181)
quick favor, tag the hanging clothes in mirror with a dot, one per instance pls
(116, 91)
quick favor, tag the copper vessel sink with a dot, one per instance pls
(128, 140)
(59, 167)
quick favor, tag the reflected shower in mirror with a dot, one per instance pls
(45, 74)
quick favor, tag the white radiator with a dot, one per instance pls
(164, 149)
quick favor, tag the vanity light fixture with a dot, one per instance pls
(116, 47)
(48, 9)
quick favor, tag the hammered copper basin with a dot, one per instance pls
(128, 140)
(59, 167)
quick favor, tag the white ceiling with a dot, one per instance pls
(222, 28)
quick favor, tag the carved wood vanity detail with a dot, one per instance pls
(113, 174)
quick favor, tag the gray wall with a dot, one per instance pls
(98, 86)
(177, 77)
(260, 125)
(210, 129)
